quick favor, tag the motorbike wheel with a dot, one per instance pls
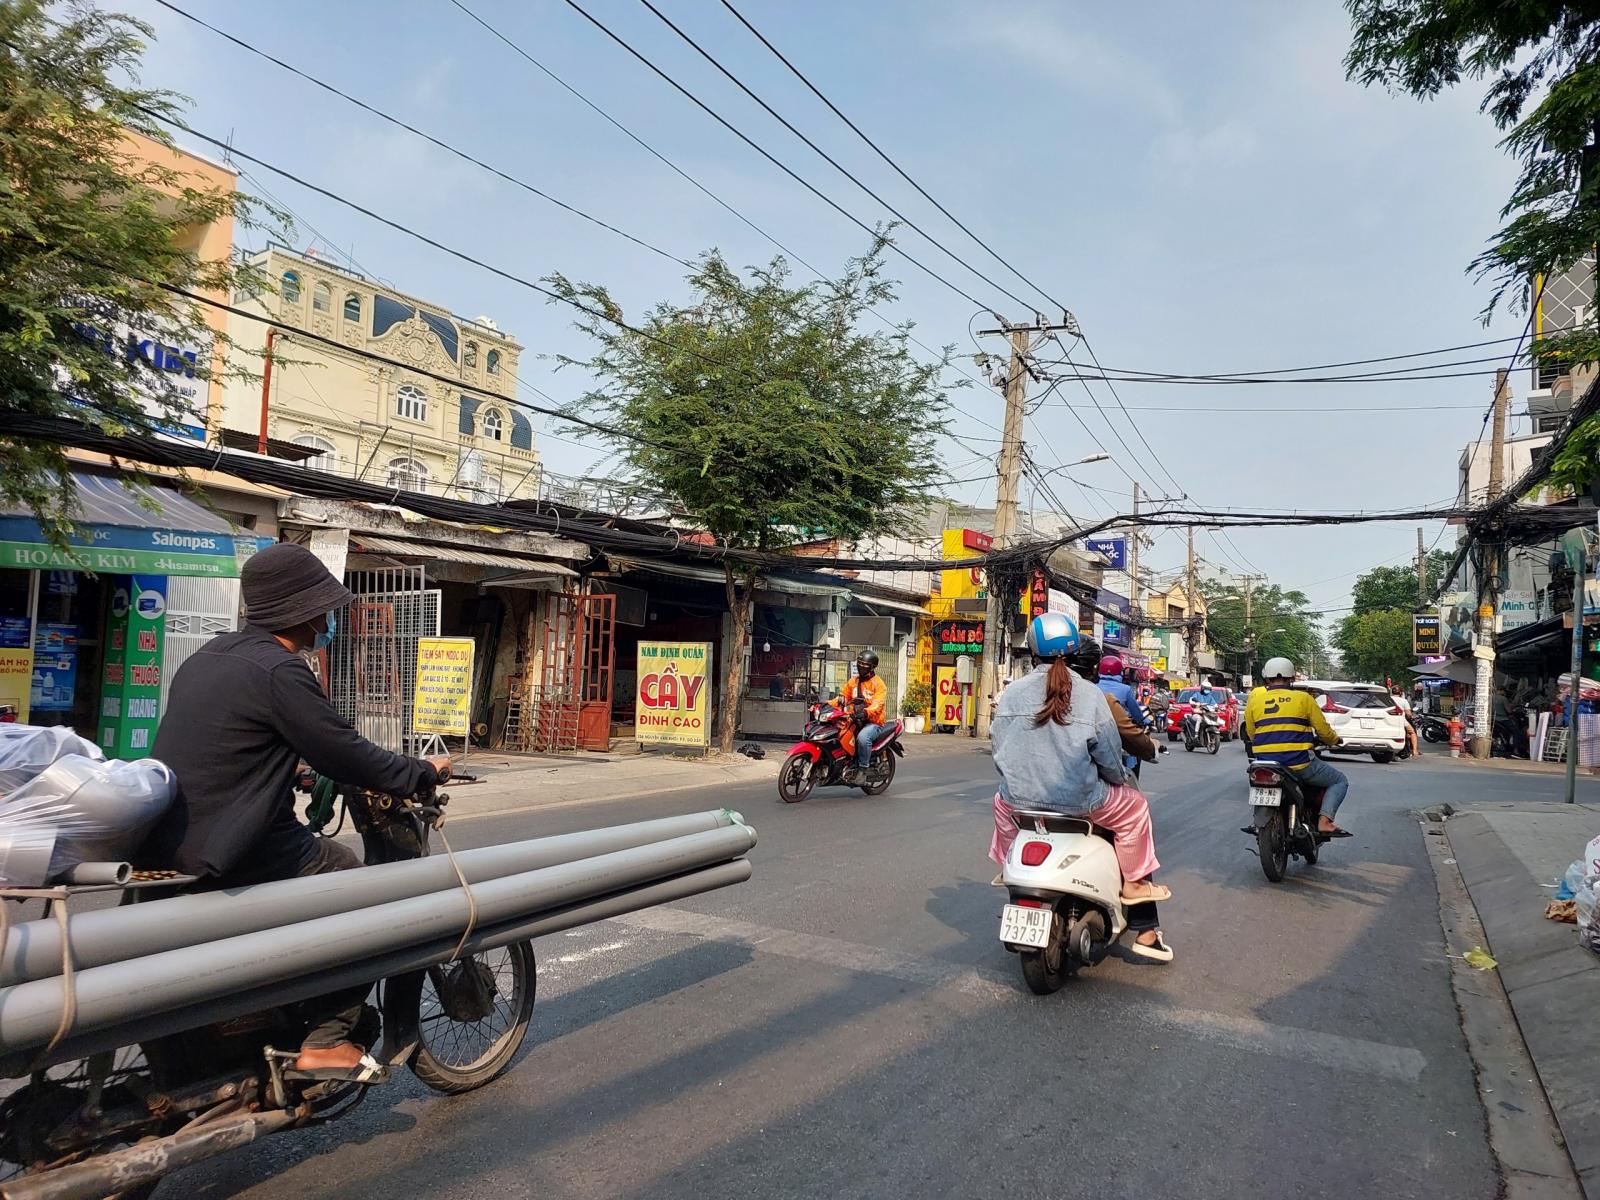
(1171, 737)
(1213, 743)
(1272, 842)
(1431, 733)
(881, 775)
(796, 778)
(473, 1016)
(1044, 971)
(1188, 743)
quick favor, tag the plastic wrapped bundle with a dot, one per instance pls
(79, 810)
(26, 750)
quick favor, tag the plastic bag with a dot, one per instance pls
(1572, 880)
(79, 810)
(25, 750)
(1588, 901)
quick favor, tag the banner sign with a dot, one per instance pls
(442, 701)
(1425, 635)
(958, 637)
(1517, 609)
(16, 684)
(1113, 550)
(55, 667)
(1039, 595)
(673, 704)
(130, 695)
(1059, 602)
(116, 550)
(1116, 633)
(952, 705)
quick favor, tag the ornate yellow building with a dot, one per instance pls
(398, 425)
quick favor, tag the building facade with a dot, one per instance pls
(442, 418)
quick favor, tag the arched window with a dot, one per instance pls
(491, 490)
(408, 474)
(321, 297)
(469, 356)
(328, 458)
(494, 362)
(411, 402)
(291, 288)
(494, 425)
(352, 307)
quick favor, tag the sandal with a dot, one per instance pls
(368, 1071)
(1156, 895)
(1335, 832)
(1158, 951)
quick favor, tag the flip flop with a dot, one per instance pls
(1159, 952)
(1335, 832)
(368, 1071)
(1158, 893)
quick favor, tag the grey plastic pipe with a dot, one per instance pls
(112, 935)
(103, 873)
(30, 1012)
(413, 958)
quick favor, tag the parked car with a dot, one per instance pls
(1230, 711)
(1363, 714)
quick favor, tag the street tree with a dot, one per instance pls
(1376, 646)
(767, 412)
(97, 245)
(1542, 61)
(1280, 625)
(1396, 586)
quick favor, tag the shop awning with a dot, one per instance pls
(771, 583)
(1456, 670)
(375, 544)
(916, 610)
(127, 529)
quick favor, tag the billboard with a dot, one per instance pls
(442, 702)
(673, 704)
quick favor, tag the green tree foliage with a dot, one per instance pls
(1376, 646)
(1542, 61)
(93, 238)
(1247, 646)
(766, 411)
(1396, 586)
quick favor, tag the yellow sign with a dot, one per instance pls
(16, 684)
(1158, 663)
(952, 701)
(673, 704)
(443, 701)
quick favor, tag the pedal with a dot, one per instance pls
(277, 1089)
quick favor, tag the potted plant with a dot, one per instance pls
(915, 705)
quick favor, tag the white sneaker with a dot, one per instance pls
(997, 881)
(1159, 951)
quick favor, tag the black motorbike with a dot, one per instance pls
(1284, 816)
(1202, 729)
(1433, 729)
(113, 1124)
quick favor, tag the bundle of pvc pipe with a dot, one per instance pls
(414, 958)
(110, 935)
(134, 988)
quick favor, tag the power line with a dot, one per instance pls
(1204, 381)
(1354, 362)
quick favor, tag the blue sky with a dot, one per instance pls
(1198, 183)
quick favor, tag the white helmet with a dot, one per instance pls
(1278, 668)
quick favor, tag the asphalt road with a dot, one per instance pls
(845, 1024)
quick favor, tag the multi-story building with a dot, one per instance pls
(1560, 303)
(440, 417)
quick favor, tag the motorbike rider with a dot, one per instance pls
(1057, 747)
(244, 711)
(1109, 679)
(868, 699)
(1281, 724)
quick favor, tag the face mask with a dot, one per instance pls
(324, 638)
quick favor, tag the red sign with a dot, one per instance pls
(958, 637)
(1039, 596)
(974, 540)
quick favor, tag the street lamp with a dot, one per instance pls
(1097, 456)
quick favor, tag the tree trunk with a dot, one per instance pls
(733, 676)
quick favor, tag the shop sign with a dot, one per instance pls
(55, 667)
(673, 703)
(1158, 663)
(1058, 602)
(170, 390)
(952, 701)
(958, 637)
(1039, 595)
(114, 550)
(130, 695)
(1113, 550)
(1517, 609)
(1116, 633)
(442, 701)
(963, 583)
(16, 684)
(1425, 634)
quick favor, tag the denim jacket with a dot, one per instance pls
(1066, 768)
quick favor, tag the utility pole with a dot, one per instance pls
(1489, 582)
(1191, 633)
(1422, 573)
(1133, 573)
(1249, 615)
(997, 616)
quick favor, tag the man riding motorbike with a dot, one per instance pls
(868, 699)
(244, 712)
(1281, 723)
(1109, 680)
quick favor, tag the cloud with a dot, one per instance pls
(1183, 154)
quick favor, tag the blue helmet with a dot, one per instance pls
(1052, 635)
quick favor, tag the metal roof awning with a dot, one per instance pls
(662, 567)
(126, 529)
(375, 544)
(1456, 670)
(801, 587)
(916, 610)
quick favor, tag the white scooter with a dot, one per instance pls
(1065, 889)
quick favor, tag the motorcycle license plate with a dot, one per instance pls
(1266, 797)
(1021, 926)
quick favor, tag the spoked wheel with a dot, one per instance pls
(1045, 970)
(797, 777)
(472, 1016)
(880, 775)
(1272, 841)
(1213, 742)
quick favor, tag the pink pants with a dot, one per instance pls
(1125, 812)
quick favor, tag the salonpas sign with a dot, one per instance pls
(122, 551)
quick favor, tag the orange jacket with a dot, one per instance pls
(875, 692)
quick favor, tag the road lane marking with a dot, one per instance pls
(579, 956)
(1337, 1052)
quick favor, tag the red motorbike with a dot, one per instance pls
(826, 752)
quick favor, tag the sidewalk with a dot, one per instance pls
(1504, 854)
(516, 782)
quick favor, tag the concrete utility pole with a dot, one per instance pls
(1192, 630)
(1249, 612)
(996, 622)
(1422, 573)
(1489, 581)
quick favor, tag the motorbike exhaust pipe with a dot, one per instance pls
(114, 1173)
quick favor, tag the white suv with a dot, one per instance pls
(1363, 714)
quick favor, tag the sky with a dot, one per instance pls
(1198, 184)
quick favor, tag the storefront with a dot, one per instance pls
(91, 632)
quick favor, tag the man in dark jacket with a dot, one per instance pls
(244, 711)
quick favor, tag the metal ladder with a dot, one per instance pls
(511, 735)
